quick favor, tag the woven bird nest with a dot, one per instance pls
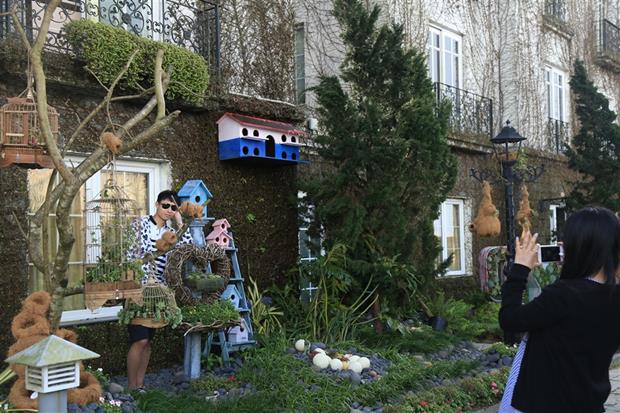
(158, 304)
(202, 257)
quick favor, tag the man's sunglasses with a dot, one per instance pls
(171, 206)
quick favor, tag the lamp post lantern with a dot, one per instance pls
(508, 141)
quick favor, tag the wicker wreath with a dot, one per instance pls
(201, 256)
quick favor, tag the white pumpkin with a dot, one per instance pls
(319, 350)
(335, 364)
(354, 358)
(300, 345)
(321, 360)
(365, 362)
(355, 366)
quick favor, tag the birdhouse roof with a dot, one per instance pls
(50, 351)
(230, 289)
(263, 123)
(192, 186)
(219, 222)
(217, 232)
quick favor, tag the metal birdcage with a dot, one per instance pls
(21, 140)
(110, 237)
(158, 305)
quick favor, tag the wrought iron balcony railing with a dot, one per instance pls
(193, 24)
(558, 135)
(609, 43)
(556, 10)
(472, 114)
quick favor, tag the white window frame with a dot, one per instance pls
(437, 64)
(553, 220)
(159, 179)
(556, 85)
(441, 224)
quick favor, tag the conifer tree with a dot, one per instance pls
(595, 151)
(387, 163)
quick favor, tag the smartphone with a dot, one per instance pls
(550, 253)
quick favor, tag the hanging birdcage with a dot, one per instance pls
(109, 265)
(156, 307)
(21, 139)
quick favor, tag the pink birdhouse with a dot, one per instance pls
(221, 223)
(219, 236)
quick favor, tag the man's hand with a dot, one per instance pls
(526, 251)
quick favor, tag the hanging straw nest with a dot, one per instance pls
(525, 213)
(20, 397)
(201, 257)
(486, 223)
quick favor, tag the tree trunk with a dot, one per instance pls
(376, 311)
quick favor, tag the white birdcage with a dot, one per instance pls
(110, 236)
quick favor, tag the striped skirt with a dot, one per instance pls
(505, 406)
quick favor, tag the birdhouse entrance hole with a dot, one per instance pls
(270, 147)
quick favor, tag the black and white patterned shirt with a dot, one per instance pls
(148, 234)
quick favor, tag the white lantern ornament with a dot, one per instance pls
(355, 366)
(365, 362)
(335, 364)
(321, 360)
(300, 345)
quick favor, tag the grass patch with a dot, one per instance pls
(422, 340)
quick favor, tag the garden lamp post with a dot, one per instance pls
(507, 144)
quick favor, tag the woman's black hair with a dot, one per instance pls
(170, 195)
(591, 244)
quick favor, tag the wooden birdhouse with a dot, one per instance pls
(52, 367)
(221, 223)
(247, 137)
(232, 294)
(195, 191)
(239, 334)
(21, 139)
(220, 237)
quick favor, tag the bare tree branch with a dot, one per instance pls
(159, 88)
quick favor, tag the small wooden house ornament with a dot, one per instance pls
(248, 137)
(238, 334)
(221, 223)
(220, 237)
(196, 192)
(232, 294)
(52, 367)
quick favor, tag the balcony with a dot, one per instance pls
(557, 136)
(193, 24)
(556, 10)
(472, 114)
(609, 46)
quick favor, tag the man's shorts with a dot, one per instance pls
(137, 333)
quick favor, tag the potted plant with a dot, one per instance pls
(159, 316)
(205, 282)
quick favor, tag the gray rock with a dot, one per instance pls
(71, 408)
(355, 378)
(493, 357)
(419, 358)
(291, 351)
(443, 354)
(506, 361)
(179, 378)
(127, 408)
(355, 410)
(115, 388)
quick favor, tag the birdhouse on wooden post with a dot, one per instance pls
(221, 223)
(21, 139)
(248, 137)
(196, 192)
(52, 367)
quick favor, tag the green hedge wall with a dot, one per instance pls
(106, 50)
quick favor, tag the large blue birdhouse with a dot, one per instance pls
(248, 137)
(196, 191)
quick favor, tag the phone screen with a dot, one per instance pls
(550, 253)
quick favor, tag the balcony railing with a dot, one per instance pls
(556, 10)
(609, 43)
(472, 114)
(193, 24)
(558, 135)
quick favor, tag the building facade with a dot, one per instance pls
(494, 61)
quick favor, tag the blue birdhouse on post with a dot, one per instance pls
(248, 137)
(196, 191)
